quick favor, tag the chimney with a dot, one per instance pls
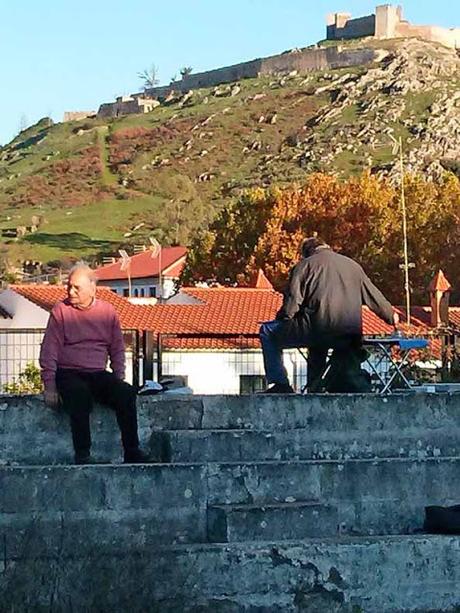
(439, 289)
(261, 281)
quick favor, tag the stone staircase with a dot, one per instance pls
(260, 504)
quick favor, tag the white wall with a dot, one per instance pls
(218, 372)
(25, 314)
(119, 285)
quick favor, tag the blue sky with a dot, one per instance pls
(57, 55)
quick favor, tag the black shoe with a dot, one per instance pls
(84, 457)
(279, 388)
(136, 456)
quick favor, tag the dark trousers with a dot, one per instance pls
(79, 390)
(283, 334)
(286, 334)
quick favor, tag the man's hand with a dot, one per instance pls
(51, 399)
(395, 319)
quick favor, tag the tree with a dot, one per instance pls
(360, 217)
(185, 71)
(149, 76)
(178, 212)
(222, 253)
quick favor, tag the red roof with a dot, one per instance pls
(216, 312)
(46, 296)
(171, 261)
(439, 283)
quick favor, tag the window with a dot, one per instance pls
(126, 293)
(251, 384)
(142, 292)
(136, 293)
(153, 292)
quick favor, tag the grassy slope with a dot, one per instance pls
(98, 224)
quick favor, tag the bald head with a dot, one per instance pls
(81, 286)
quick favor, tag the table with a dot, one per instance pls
(382, 347)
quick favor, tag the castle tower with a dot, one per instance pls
(335, 22)
(387, 18)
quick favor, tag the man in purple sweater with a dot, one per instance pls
(83, 332)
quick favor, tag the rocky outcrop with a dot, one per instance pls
(411, 92)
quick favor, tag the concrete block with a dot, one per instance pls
(301, 444)
(371, 496)
(280, 521)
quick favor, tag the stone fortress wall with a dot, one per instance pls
(386, 23)
(128, 105)
(77, 115)
(303, 61)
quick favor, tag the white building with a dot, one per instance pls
(149, 277)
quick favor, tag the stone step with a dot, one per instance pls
(340, 425)
(160, 504)
(324, 412)
(280, 521)
(346, 575)
(371, 496)
(300, 444)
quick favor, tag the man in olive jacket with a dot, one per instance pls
(322, 309)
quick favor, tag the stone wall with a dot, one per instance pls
(339, 28)
(444, 36)
(303, 61)
(256, 503)
(228, 74)
(77, 115)
(127, 105)
(387, 23)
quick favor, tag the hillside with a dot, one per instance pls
(86, 187)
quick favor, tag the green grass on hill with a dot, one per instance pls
(80, 232)
(92, 185)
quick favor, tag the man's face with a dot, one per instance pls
(80, 290)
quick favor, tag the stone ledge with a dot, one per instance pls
(357, 425)
(370, 575)
(370, 496)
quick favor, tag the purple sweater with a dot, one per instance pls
(82, 340)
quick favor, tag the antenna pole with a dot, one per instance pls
(404, 221)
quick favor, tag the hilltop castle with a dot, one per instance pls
(387, 22)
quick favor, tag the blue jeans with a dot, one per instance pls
(282, 334)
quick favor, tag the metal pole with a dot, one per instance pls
(160, 292)
(404, 220)
(159, 358)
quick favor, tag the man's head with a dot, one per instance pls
(310, 245)
(81, 286)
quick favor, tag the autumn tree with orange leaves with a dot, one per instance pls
(359, 217)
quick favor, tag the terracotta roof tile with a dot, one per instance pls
(233, 312)
(46, 296)
(143, 265)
